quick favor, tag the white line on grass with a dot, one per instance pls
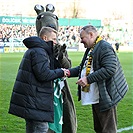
(124, 129)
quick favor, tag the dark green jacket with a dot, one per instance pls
(107, 73)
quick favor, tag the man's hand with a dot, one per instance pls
(82, 82)
(66, 72)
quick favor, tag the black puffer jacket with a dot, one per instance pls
(32, 96)
(107, 73)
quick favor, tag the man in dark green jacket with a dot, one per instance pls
(101, 80)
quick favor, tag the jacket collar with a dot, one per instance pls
(96, 47)
(34, 41)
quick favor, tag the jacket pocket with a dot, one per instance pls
(44, 99)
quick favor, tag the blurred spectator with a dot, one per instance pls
(7, 32)
(117, 46)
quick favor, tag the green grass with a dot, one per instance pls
(9, 64)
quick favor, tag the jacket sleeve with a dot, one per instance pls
(74, 72)
(104, 65)
(41, 67)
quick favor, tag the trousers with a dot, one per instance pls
(36, 126)
(106, 121)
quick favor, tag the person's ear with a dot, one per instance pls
(91, 34)
(45, 38)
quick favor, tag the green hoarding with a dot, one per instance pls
(79, 22)
(20, 20)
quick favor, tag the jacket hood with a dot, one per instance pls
(34, 41)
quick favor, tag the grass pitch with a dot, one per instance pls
(9, 64)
